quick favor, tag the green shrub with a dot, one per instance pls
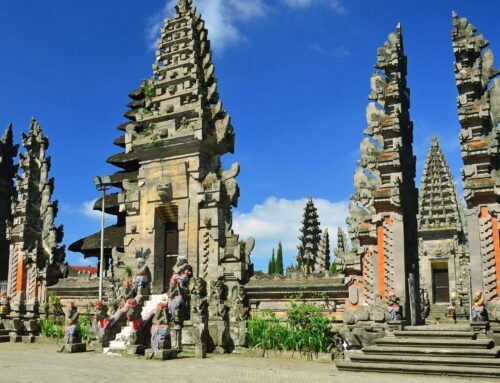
(47, 327)
(307, 331)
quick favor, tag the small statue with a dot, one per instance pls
(426, 304)
(142, 277)
(393, 307)
(72, 335)
(452, 310)
(199, 300)
(240, 304)
(103, 323)
(134, 315)
(479, 313)
(4, 304)
(179, 299)
(160, 331)
(72, 332)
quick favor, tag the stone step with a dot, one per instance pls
(4, 338)
(432, 328)
(442, 334)
(431, 360)
(438, 352)
(436, 342)
(393, 368)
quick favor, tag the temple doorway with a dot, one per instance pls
(169, 217)
(441, 283)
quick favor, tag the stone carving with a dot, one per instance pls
(199, 314)
(426, 304)
(134, 316)
(219, 315)
(393, 307)
(478, 311)
(161, 337)
(102, 323)
(142, 278)
(72, 335)
(4, 305)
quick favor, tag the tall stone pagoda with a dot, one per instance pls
(444, 259)
(478, 105)
(175, 198)
(310, 237)
(36, 255)
(382, 222)
(323, 259)
(8, 152)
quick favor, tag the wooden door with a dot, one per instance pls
(441, 286)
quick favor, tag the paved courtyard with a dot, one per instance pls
(42, 364)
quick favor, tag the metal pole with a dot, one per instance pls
(101, 268)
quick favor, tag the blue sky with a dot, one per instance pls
(293, 74)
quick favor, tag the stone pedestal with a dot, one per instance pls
(73, 348)
(135, 350)
(161, 354)
(200, 350)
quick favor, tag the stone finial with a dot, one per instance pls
(183, 6)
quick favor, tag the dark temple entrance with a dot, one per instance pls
(169, 216)
(441, 285)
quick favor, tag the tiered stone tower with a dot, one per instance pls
(310, 236)
(175, 197)
(323, 262)
(382, 222)
(479, 114)
(36, 256)
(444, 259)
(8, 151)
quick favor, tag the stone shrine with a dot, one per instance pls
(174, 197)
(443, 253)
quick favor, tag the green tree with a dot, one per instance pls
(271, 269)
(333, 268)
(279, 260)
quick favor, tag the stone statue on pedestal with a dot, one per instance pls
(72, 335)
(478, 313)
(4, 305)
(393, 307)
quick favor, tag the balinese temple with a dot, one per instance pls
(383, 210)
(8, 152)
(36, 256)
(478, 105)
(174, 197)
(444, 258)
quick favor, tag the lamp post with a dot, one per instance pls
(102, 183)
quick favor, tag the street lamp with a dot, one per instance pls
(102, 183)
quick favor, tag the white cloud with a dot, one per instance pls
(85, 209)
(280, 220)
(222, 19)
(335, 5)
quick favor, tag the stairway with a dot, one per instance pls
(122, 338)
(4, 334)
(451, 350)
